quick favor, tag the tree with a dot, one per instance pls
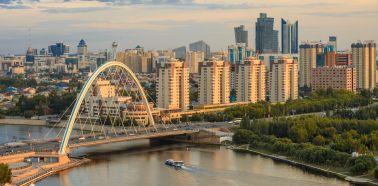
(298, 134)
(360, 165)
(376, 173)
(319, 140)
(5, 174)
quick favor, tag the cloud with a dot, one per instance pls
(74, 10)
(362, 13)
(13, 7)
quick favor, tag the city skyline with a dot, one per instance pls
(170, 24)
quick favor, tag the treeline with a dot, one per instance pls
(16, 82)
(41, 105)
(321, 100)
(361, 114)
(306, 152)
(339, 134)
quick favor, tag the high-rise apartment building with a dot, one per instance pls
(193, 59)
(266, 36)
(214, 84)
(364, 60)
(250, 81)
(172, 85)
(241, 35)
(289, 37)
(200, 46)
(343, 58)
(336, 77)
(238, 52)
(284, 80)
(307, 60)
(180, 52)
(82, 48)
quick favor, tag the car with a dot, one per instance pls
(131, 134)
(174, 129)
(100, 137)
(81, 138)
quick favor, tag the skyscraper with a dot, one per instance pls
(214, 84)
(363, 59)
(172, 87)
(241, 35)
(266, 36)
(180, 52)
(332, 41)
(200, 46)
(82, 48)
(307, 61)
(289, 37)
(250, 81)
(58, 49)
(284, 80)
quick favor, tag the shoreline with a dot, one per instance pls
(42, 175)
(312, 168)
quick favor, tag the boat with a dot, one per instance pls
(173, 163)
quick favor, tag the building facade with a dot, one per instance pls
(284, 80)
(193, 59)
(289, 37)
(336, 77)
(214, 84)
(307, 61)
(364, 60)
(250, 81)
(172, 85)
(180, 52)
(266, 37)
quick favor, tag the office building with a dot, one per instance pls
(214, 84)
(250, 81)
(82, 48)
(289, 37)
(58, 49)
(180, 52)
(241, 35)
(307, 60)
(238, 52)
(266, 36)
(284, 80)
(364, 60)
(200, 46)
(332, 41)
(335, 77)
(172, 85)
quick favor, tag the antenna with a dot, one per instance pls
(29, 37)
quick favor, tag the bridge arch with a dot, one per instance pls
(84, 91)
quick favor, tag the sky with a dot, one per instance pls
(167, 24)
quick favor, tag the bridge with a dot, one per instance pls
(111, 107)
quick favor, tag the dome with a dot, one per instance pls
(82, 43)
(30, 51)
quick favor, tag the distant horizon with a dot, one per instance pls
(168, 24)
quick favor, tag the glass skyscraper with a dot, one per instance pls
(200, 46)
(289, 37)
(266, 36)
(241, 35)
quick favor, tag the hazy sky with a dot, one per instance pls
(166, 24)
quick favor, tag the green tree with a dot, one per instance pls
(376, 173)
(5, 174)
(319, 140)
(298, 134)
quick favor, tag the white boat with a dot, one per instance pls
(173, 163)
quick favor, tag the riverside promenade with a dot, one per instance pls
(326, 172)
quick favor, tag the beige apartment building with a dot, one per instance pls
(193, 59)
(284, 80)
(250, 81)
(172, 85)
(307, 61)
(214, 83)
(364, 60)
(336, 77)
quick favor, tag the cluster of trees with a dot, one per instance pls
(5, 174)
(306, 152)
(41, 105)
(364, 113)
(339, 134)
(321, 100)
(16, 82)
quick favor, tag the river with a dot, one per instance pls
(142, 163)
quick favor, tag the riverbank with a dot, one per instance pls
(319, 170)
(46, 173)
